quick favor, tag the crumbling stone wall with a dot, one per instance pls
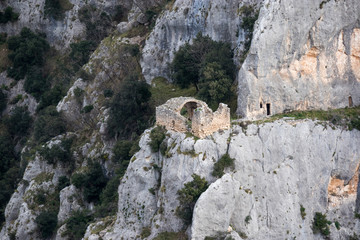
(200, 120)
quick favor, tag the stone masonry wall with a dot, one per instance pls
(203, 121)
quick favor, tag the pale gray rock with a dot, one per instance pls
(182, 22)
(214, 208)
(304, 55)
(70, 201)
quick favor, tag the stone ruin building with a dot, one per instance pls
(187, 114)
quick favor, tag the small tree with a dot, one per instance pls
(224, 162)
(157, 136)
(188, 196)
(321, 224)
(46, 223)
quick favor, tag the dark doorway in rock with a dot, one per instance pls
(268, 109)
(188, 110)
(261, 105)
(350, 101)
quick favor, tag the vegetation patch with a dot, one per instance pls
(302, 211)
(77, 223)
(207, 65)
(57, 8)
(46, 222)
(171, 236)
(188, 196)
(8, 15)
(58, 152)
(224, 162)
(157, 136)
(320, 224)
(345, 117)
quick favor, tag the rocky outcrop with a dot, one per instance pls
(183, 20)
(304, 55)
(279, 167)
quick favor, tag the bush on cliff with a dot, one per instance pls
(224, 162)
(188, 196)
(157, 136)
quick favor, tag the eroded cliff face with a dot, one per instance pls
(218, 19)
(304, 55)
(61, 33)
(279, 167)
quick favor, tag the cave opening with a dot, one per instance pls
(268, 112)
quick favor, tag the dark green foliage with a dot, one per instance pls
(337, 225)
(157, 136)
(214, 85)
(132, 49)
(58, 153)
(249, 17)
(302, 211)
(54, 9)
(28, 51)
(130, 110)
(88, 108)
(91, 182)
(188, 196)
(145, 232)
(46, 223)
(78, 179)
(63, 182)
(48, 124)
(9, 171)
(36, 83)
(121, 150)
(8, 15)
(51, 97)
(108, 93)
(76, 225)
(119, 14)
(247, 219)
(19, 122)
(3, 101)
(171, 236)
(40, 198)
(3, 38)
(208, 65)
(224, 162)
(80, 52)
(357, 215)
(98, 24)
(321, 224)
(109, 198)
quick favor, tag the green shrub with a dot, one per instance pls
(320, 224)
(208, 65)
(48, 124)
(121, 150)
(28, 50)
(130, 111)
(8, 15)
(51, 97)
(302, 211)
(108, 93)
(3, 101)
(57, 8)
(109, 198)
(58, 153)
(157, 136)
(19, 121)
(36, 83)
(188, 196)
(76, 224)
(46, 222)
(80, 52)
(3, 38)
(145, 232)
(247, 219)
(88, 108)
(337, 225)
(171, 236)
(224, 162)
(92, 182)
(63, 182)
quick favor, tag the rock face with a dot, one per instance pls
(279, 167)
(304, 55)
(218, 19)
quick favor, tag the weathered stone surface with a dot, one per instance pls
(218, 19)
(202, 119)
(70, 198)
(304, 55)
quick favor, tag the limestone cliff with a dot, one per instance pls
(304, 55)
(279, 167)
